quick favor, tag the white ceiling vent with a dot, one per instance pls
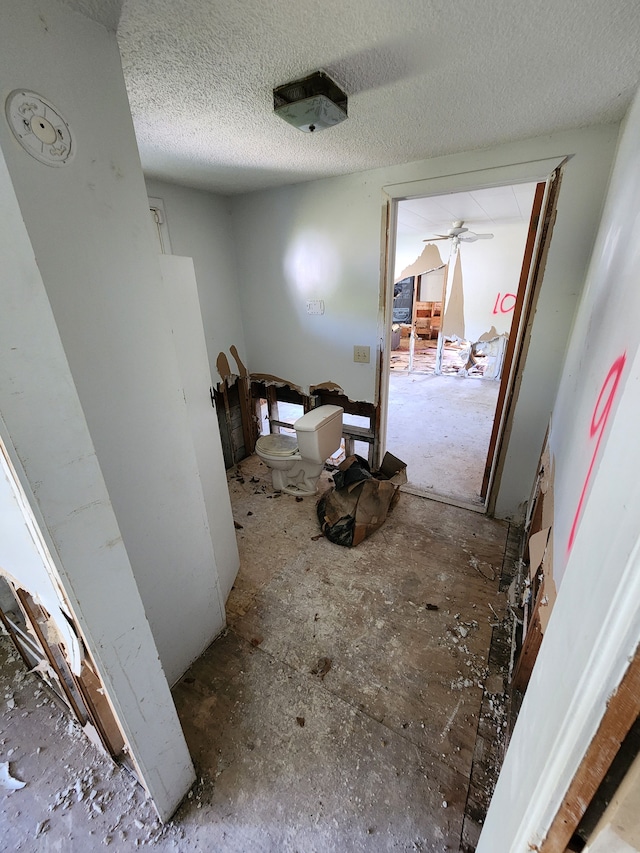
(311, 104)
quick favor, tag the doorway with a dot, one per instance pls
(448, 367)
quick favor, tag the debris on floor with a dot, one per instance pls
(362, 758)
(7, 781)
(322, 667)
(359, 502)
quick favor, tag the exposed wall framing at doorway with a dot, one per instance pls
(239, 407)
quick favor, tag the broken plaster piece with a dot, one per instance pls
(7, 781)
(222, 366)
(537, 548)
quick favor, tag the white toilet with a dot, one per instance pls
(297, 461)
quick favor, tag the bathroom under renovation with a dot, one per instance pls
(319, 470)
(356, 700)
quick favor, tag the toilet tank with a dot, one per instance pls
(319, 432)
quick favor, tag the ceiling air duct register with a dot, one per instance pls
(311, 104)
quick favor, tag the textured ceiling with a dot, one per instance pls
(423, 77)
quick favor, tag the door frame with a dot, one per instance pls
(539, 171)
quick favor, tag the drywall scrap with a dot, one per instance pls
(428, 260)
(539, 593)
(270, 379)
(60, 626)
(541, 560)
(279, 382)
(453, 318)
(540, 542)
(7, 781)
(223, 367)
(242, 370)
(333, 387)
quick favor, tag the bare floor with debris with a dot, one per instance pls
(352, 705)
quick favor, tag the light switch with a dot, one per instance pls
(361, 355)
(315, 306)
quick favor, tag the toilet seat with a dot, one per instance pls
(277, 445)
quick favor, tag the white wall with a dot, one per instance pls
(181, 290)
(594, 628)
(43, 429)
(89, 226)
(199, 226)
(490, 272)
(321, 240)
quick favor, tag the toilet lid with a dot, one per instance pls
(277, 445)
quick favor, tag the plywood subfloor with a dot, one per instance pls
(376, 753)
(339, 712)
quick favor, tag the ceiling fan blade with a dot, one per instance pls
(471, 237)
(433, 239)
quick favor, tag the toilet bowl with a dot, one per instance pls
(296, 462)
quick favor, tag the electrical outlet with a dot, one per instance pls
(315, 306)
(361, 355)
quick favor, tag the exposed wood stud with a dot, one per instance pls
(621, 712)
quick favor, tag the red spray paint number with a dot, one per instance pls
(505, 302)
(597, 427)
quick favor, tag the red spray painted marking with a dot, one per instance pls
(504, 305)
(599, 420)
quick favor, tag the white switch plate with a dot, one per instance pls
(362, 355)
(315, 306)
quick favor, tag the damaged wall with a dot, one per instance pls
(594, 628)
(90, 229)
(321, 240)
(489, 274)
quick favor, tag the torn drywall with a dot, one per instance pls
(429, 259)
(453, 314)
(242, 370)
(223, 368)
(326, 386)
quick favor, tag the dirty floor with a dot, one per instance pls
(352, 704)
(441, 427)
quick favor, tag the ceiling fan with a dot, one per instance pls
(459, 234)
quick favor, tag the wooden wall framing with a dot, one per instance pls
(277, 393)
(622, 711)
